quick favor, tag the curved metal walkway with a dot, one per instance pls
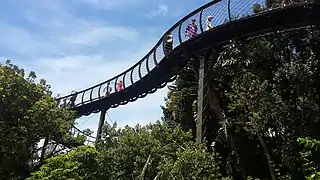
(232, 19)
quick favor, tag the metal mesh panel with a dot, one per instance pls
(241, 9)
(143, 68)
(127, 79)
(135, 75)
(160, 52)
(175, 37)
(218, 12)
(113, 84)
(151, 64)
(103, 90)
(86, 97)
(94, 95)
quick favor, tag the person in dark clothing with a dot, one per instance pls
(107, 90)
(72, 100)
(168, 44)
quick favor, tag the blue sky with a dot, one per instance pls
(74, 44)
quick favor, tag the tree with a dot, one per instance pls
(81, 163)
(27, 115)
(171, 153)
(183, 92)
(268, 89)
(150, 152)
(250, 96)
(310, 156)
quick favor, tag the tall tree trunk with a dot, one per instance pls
(215, 107)
(268, 156)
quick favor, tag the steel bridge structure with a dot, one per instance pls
(232, 20)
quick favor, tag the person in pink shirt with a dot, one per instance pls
(192, 29)
(119, 86)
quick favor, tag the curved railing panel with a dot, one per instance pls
(135, 75)
(143, 68)
(222, 12)
(94, 93)
(239, 9)
(175, 38)
(159, 53)
(218, 12)
(75, 132)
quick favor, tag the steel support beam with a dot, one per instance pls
(101, 123)
(202, 102)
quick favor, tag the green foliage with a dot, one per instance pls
(79, 164)
(182, 94)
(190, 163)
(268, 88)
(270, 85)
(252, 97)
(27, 115)
(171, 153)
(310, 156)
(144, 152)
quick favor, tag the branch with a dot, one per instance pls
(144, 168)
(179, 145)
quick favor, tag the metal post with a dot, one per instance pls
(267, 3)
(101, 123)
(229, 12)
(202, 96)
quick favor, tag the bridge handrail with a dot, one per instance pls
(152, 50)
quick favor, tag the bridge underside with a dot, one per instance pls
(269, 21)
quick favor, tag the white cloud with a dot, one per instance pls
(81, 71)
(110, 4)
(96, 35)
(160, 11)
(77, 72)
(25, 43)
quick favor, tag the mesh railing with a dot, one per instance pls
(74, 131)
(220, 12)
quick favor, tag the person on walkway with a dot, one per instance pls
(208, 23)
(58, 100)
(64, 103)
(119, 86)
(72, 101)
(192, 29)
(107, 90)
(73, 97)
(168, 43)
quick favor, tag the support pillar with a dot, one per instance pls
(101, 123)
(202, 103)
